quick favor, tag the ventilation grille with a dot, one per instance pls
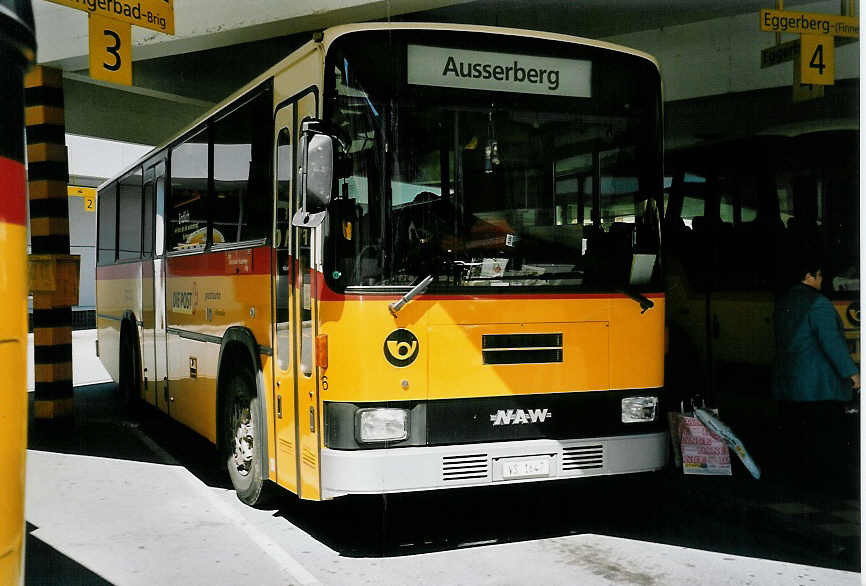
(583, 457)
(287, 446)
(521, 348)
(309, 458)
(464, 467)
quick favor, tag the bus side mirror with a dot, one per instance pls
(316, 175)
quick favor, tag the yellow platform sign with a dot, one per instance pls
(110, 49)
(88, 193)
(802, 92)
(807, 23)
(817, 60)
(78, 191)
(156, 15)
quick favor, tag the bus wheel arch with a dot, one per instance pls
(241, 425)
(129, 367)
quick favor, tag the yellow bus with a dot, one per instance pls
(407, 257)
(17, 46)
(739, 213)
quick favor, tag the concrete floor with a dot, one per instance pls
(145, 523)
(120, 501)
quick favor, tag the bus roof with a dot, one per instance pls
(333, 33)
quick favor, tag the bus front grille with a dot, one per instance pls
(586, 457)
(465, 467)
(521, 348)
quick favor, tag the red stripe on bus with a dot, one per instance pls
(212, 264)
(325, 293)
(13, 192)
(224, 262)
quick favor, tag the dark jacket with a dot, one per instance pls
(812, 359)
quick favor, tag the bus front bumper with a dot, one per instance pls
(410, 469)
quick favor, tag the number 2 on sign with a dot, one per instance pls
(110, 50)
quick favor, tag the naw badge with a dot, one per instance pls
(401, 348)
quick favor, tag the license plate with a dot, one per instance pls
(526, 468)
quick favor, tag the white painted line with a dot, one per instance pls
(286, 562)
(151, 445)
(276, 552)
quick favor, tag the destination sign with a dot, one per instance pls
(504, 72)
(806, 23)
(156, 15)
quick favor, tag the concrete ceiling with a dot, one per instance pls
(594, 18)
(218, 47)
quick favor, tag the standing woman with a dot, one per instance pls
(813, 379)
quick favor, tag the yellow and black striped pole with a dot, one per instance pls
(53, 273)
(17, 46)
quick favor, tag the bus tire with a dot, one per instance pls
(242, 441)
(128, 384)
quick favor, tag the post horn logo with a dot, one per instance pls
(401, 348)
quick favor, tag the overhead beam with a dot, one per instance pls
(131, 114)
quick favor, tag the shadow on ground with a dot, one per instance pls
(722, 514)
(659, 508)
(45, 566)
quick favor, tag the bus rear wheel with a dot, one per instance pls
(128, 385)
(243, 441)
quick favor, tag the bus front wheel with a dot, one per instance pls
(243, 442)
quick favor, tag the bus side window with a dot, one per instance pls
(241, 207)
(129, 227)
(159, 228)
(759, 232)
(282, 232)
(147, 225)
(687, 226)
(305, 320)
(187, 210)
(107, 232)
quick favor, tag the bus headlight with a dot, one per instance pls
(639, 409)
(382, 425)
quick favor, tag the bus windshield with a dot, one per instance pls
(484, 188)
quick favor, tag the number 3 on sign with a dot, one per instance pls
(817, 59)
(110, 50)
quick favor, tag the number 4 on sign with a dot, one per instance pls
(110, 50)
(817, 60)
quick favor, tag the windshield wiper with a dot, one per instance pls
(395, 307)
(640, 299)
